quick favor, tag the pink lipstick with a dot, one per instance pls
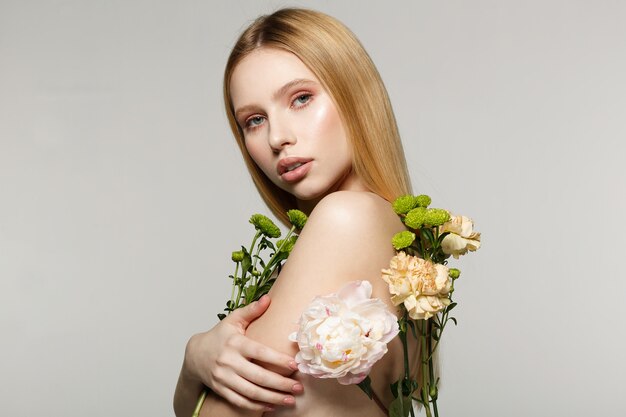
(293, 169)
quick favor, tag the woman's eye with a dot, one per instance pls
(302, 100)
(255, 121)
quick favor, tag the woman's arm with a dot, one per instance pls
(222, 360)
(347, 237)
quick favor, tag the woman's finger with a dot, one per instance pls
(252, 349)
(242, 317)
(257, 394)
(240, 401)
(268, 379)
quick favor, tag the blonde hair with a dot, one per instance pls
(337, 58)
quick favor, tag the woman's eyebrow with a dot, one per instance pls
(277, 94)
(293, 83)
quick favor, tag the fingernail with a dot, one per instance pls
(297, 388)
(289, 400)
(293, 365)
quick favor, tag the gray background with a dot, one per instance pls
(122, 193)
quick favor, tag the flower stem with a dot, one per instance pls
(256, 259)
(425, 376)
(196, 412)
(232, 292)
(431, 371)
(293, 228)
(442, 324)
(270, 263)
(407, 372)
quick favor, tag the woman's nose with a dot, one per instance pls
(280, 136)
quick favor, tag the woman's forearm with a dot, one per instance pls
(186, 395)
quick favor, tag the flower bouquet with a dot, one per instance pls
(422, 285)
(342, 335)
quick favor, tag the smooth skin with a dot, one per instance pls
(286, 115)
(223, 360)
(346, 238)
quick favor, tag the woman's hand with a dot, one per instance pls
(222, 359)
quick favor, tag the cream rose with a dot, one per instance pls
(343, 335)
(462, 236)
(422, 286)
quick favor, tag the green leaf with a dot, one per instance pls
(454, 320)
(270, 245)
(394, 389)
(407, 387)
(451, 306)
(246, 263)
(264, 289)
(221, 316)
(400, 407)
(366, 386)
(428, 234)
(441, 237)
(248, 294)
(260, 260)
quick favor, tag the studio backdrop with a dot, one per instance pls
(122, 193)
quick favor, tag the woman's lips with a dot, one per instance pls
(296, 174)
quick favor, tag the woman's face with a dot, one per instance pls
(291, 127)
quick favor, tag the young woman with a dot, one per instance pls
(315, 127)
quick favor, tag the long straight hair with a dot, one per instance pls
(345, 70)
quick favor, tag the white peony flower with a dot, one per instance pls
(343, 335)
(462, 236)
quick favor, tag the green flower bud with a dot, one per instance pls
(265, 225)
(404, 204)
(237, 256)
(433, 392)
(454, 273)
(297, 218)
(403, 240)
(415, 218)
(423, 200)
(436, 217)
(256, 272)
(288, 244)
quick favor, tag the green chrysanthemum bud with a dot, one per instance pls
(403, 239)
(237, 256)
(297, 218)
(404, 204)
(423, 200)
(415, 218)
(265, 225)
(288, 244)
(436, 217)
(454, 273)
(256, 272)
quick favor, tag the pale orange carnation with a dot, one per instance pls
(422, 286)
(462, 237)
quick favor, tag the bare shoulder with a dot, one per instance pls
(353, 215)
(347, 238)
